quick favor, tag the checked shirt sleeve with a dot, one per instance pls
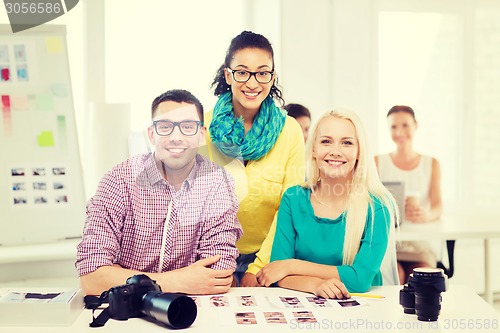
(100, 244)
(221, 229)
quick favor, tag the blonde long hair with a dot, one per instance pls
(365, 185)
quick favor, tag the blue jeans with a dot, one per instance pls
(242, 263)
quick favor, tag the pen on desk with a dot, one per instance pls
(366, 295)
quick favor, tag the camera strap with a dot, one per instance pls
(101, 319)
(94, 302)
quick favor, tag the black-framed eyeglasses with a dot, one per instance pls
(187, 127)
(241, 75)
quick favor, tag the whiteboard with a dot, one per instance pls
(41, 186)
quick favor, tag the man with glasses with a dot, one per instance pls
(170, 214)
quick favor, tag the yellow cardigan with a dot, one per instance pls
(260, 185)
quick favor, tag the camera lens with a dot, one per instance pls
(428, 284)
(407, 299)
(174, 310)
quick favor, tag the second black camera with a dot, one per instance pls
(422, 293)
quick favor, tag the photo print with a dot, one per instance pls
(318, 302)
(291, 302)
(304, 317)
(347, 302)
(247, 300)
(245, 318)
(275, 317)
(219, 301)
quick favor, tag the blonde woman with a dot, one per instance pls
(332, 232)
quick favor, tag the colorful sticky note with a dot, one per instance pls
(22, 72)
(19, 102)
(61, 131)
(5, 73)
(6, 101)
(46, 139)
(53, 44)
(45, 102)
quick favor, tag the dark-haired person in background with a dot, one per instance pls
(255, 140)
(170, 214)
(302, 115)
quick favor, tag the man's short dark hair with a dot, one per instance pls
(297, 110)
(178, 96)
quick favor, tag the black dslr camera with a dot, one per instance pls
(140, 297)
(422, 293)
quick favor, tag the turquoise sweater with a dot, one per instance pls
(300, 234)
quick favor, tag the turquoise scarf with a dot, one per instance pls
(228, 134)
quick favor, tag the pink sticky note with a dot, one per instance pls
(5, 74)
(6, 101)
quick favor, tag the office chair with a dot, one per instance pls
(389, 266)
(450, 248)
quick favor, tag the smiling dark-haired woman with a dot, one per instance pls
(252, 136)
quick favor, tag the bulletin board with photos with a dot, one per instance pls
(41, 187)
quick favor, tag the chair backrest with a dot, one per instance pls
(397, 188)
(450, 250)
(389, 266)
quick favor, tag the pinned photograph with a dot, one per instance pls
(17, 172)
(38, 171)
(19, 187)
(58, 171)
(40, 186)
(41, 200)
(4, 54)
(58, 186)
(61, 199)
(20, 53)
(20, 200)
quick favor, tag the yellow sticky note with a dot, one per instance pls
(53, 44)
(46, 139)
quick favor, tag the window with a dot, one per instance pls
(420, 65)
(444, 61)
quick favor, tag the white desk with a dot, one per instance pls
(460, 226)
(462, 310)
(64, 249)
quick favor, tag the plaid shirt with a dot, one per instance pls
(126, 219)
